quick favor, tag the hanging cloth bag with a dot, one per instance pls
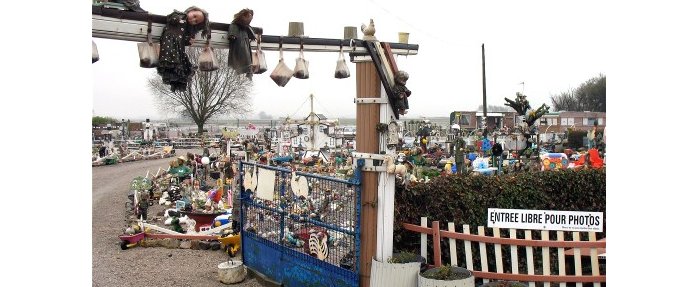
(301, 69)
(149, 52)
(259, 62)
(282, 73)
(207, 61)
(95, 54)
(341, 71)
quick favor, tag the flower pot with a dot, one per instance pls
(231, 272)
(460, 277)
(394, 274)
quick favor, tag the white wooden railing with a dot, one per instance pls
(533, 271)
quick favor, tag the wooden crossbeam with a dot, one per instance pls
(109, 23)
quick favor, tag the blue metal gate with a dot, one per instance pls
(298, 236)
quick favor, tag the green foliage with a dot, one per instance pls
(589, 96)
(465, 199)
(405, 257)
(447, 273)
(430, 172)
(442, 273)
(98, 121)
(141, 183)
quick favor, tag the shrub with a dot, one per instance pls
(465, 199)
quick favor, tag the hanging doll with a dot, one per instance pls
(240, 35)
(400, 92)
(174, 65)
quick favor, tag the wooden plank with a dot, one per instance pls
(538, 278)
(391, 58)
(437, 243)
(510, 241)
(368, 233)
(483, 253)
(514, 253)
(452, 245)
(498, 252)
(594, 259)
(561, 257)
(577, 258)
(367, 86)
(182, 236)
(132, 26)
(546, 256)
(423, 239)
(530, 267)
(468, 249)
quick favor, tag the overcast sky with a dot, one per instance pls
(549, 46)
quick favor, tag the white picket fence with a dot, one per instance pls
(547, 251)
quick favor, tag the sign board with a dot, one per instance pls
(545, 219)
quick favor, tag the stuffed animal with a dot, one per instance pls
(390, 162)
(401, 171)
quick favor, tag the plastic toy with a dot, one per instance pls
(554, 161)
(130, 240)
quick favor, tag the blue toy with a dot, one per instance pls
(222, 219)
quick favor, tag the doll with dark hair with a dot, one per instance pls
(240, 34)
(174, 65)
(400, 92)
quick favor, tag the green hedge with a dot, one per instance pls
(464, 199)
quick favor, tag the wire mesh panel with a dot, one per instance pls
(311, 218)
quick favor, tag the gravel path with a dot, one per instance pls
(141, 266)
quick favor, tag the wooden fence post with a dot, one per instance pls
(437, 242)
(423, 239)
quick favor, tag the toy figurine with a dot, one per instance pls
(400, 92)
(240, 34)
(174, 65)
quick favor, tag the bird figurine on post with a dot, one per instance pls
(369, 31)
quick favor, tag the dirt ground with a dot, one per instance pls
(141, 266)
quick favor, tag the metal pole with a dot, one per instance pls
(484, 86)
(484, 94)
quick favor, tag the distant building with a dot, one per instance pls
(553, 122)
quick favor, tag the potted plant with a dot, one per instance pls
(401, 269)
(446, 276)
(409, 257)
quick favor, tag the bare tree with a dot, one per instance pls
(565, 101)
(208, 94)
(589, 96)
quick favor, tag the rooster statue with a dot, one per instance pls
(369, 31)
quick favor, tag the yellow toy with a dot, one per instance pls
(232, 244)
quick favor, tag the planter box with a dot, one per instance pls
(394, 274)
(428, 282)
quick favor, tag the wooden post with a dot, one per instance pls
(437, 242)
(367, 117)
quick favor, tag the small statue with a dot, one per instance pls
(369, 31)
(401, 93)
